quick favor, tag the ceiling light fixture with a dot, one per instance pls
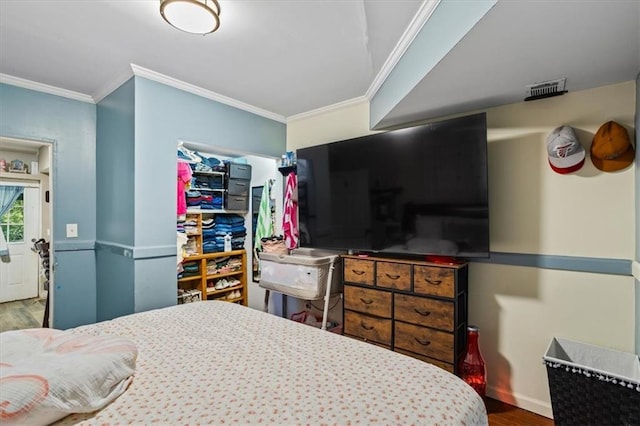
(192, 16)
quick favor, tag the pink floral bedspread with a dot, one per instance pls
(221, 363)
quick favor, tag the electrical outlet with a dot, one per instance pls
(72, 230)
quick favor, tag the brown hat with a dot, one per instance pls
(611, 149)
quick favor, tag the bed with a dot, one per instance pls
(214, 362)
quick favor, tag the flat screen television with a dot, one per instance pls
(417, 191)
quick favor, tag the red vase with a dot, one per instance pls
(472, 368)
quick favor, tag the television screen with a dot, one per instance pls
(414, 191)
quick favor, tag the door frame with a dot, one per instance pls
(52, 145)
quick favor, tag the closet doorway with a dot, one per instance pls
(264, 170)
(25, 167)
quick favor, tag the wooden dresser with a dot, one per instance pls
(413, 307)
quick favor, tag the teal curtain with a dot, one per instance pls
(8, 196)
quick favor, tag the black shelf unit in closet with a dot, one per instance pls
(238, 186)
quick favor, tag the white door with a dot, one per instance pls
(19, 278)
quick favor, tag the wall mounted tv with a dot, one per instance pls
(416, 191)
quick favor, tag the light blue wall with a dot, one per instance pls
(125, 257)
(165, 115)
(115, 168)
(71, 125)
(115, 287)
(115, 174)
(162, 116)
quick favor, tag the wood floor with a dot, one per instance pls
(501, 414)
(22, 314)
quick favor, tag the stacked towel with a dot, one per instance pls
(213, 237)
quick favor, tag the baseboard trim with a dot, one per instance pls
(526, 403)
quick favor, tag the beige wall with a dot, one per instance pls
(347, 122)
(537, 211)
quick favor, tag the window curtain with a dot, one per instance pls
(8, 195)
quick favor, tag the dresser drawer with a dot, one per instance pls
(367, 327)
(358, 271)
(238, 187)
(424, 341)
(393, 275)
(434, 281)
(371, 342)
(239, 171)
(424, 311)
(368, 301)
(236, 202)
(444, 365)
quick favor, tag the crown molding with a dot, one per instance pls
(421, 17)
(327, 109)
(188, 87)
(110, 87)
(39, 87)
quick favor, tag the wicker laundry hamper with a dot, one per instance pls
(592, 385)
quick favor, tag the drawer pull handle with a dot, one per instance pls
(365, 326)
(393, 277)
(366, 302)
(422, 312)
(433, 282)
(423, 342)
(357, 272)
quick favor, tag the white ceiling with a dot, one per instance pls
(517, 43)
(291, 57)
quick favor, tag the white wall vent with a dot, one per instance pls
(546, 89)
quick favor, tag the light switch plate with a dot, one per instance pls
(72, 230)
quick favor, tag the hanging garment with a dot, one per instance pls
(290, 216)
(264, 224)
(184, 179)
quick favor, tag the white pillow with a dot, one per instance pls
(47, 374)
